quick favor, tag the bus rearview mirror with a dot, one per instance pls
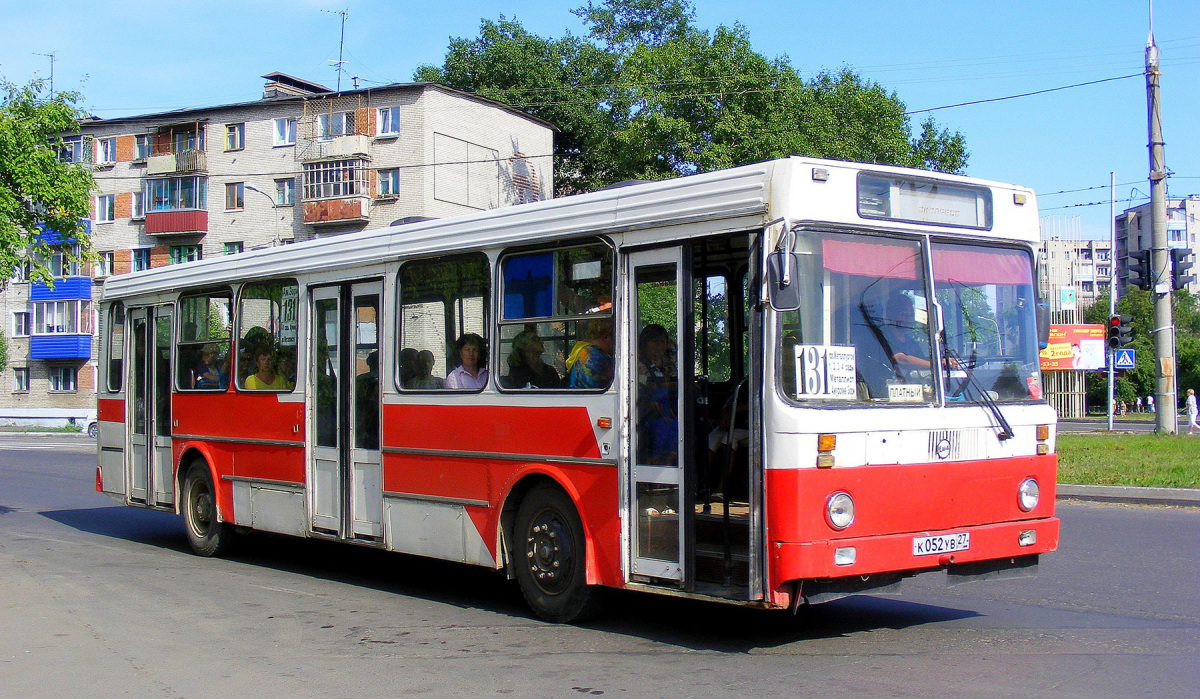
(783, 281)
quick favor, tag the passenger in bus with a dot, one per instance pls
(266, 378)
(425, 380)
(206, 373)
(366, 404)
(526, 369)
(590, 364)
(471, 373)
(409, 361)
(658, 392)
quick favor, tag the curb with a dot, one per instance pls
(1181, 497)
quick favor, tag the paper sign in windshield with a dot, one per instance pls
(825, 372)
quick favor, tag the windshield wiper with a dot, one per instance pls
(983, 398)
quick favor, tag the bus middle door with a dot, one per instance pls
(346, 473)
(150, 464)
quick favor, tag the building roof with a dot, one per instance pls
(200, 113)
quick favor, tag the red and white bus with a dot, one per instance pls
(771, 385)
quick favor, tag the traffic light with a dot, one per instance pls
(1181, 268)
(1118, 333)
(1139, 270)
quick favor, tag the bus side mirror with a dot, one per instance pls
(1043, 325)
(783, 281)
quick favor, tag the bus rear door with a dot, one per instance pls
(149, 466)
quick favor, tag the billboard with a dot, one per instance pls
(1074, 348)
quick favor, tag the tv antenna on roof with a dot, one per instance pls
(51, 57)
(341, 44)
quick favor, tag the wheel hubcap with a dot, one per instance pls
(202, 504)
(548, 552)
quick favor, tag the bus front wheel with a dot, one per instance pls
(550, 557)
(206, 535)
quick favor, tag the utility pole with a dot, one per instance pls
(1165, 371)
(51, 57)
(341, 45)
(1112, 286)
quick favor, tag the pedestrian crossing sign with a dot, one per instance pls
(1124, 359)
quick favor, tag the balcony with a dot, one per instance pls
(332, 211)
(60, 346)
(183, 161)
(176, 222)
(65, 289)
(338, 147)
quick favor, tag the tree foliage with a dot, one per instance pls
(1138, 304)
(649, 95)
(39, 192)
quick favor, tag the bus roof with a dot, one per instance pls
(732, 199)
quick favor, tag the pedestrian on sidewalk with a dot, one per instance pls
(1137, 406)
(1150, 402)
(1191, 411)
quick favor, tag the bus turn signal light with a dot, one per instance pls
(826, 442)
(1043, 432)
(604, 423)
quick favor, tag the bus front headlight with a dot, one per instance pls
(1027, 494)
(839, 511)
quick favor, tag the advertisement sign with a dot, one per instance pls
(1066, 298)
(1074, 348)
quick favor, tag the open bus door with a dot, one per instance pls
(657, 446)
(149, 465)
(346, 471)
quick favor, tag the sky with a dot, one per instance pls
(130, 58)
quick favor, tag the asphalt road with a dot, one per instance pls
(98, 600)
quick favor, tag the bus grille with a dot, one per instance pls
(955, 445)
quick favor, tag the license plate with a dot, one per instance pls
(945, 543)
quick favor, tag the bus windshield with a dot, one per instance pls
(865, 331)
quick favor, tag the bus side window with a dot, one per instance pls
(556, 325)
(202, 351)
(442, 301)
(267, 325)
(115, 330)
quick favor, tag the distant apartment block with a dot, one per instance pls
(1084, 267)
(299, 163)
(1134, 234)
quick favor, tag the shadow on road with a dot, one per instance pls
(692, 624)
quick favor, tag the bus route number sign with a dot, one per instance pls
(825, 372)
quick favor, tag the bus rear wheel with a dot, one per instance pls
(206, 535)
(550, 558)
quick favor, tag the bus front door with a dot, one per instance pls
(346, 470)
(149, 466)
(656, 444)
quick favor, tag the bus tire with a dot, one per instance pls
(206, 535)
(550, 557)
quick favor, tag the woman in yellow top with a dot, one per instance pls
(265, 379)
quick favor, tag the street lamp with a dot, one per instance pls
(275, 221)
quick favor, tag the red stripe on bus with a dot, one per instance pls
(550, 431)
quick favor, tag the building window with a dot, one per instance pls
(63, 264)
(104, 263)
(187, 140)
(389, 182)
(387, 122)
(175, 193)
(21, 270)
(141, 146)
(106, 211)
(72, 150)
(141, 259)
(235, 136)
(62, 378)
(285, 132)
(139, 205)
(333, 178)
(232, 248)
(20, 324)
(285, 192)
(56, 317)
(105, 151)
(234, 196)
(334, 125)
(184, 253)
(20, 379)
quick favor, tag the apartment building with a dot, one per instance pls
(1134, 234)
(298, 163)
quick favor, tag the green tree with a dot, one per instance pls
(3, 351)
(38, 191)
(648, 95)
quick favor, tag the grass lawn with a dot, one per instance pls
(1124, 459)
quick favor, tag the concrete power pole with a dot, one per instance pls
(1166, 414)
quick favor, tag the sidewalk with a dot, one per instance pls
(1181, 497)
